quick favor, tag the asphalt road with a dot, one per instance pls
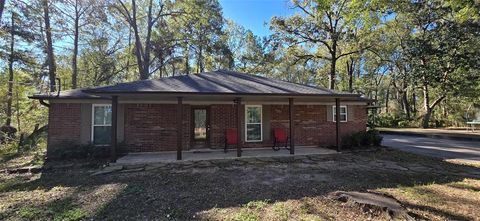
(443, 148)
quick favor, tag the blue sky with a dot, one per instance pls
(253, 14)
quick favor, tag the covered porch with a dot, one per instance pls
(215, 154)
(183, 114)
(182, 125)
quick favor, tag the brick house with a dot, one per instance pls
(193, 111)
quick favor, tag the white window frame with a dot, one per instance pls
(94, 125)
(334, 113)
(261, 123)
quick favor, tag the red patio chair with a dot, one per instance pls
(230, 137)
(279, 137)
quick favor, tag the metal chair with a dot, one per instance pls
(280, 137)
(231, 137)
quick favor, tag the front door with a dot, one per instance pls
(200, 127)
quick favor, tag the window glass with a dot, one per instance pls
(102, 121)
(102, 115)
(101, 135)
(253, 125)
(343, 114)
(254, 132)
(254, 114)
(200, 130)
(98, 115)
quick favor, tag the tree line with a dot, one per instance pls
(419, 59)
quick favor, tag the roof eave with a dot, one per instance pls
(65, 98)
(220, 93)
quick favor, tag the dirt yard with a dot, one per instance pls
(273, 189)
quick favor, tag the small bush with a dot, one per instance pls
(394, 120)
(362, 139)
(376, 138)
(73, 151)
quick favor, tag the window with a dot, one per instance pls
(101, 124)
(343, 113)
(253, 123)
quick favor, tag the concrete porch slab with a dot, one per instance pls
(216, 154)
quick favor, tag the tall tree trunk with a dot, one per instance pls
(138, 43)
(398, 97)
(406, 105)
(445, 108)
(428, 108)
(18, 111)
(2, 6)
(426, 118)
(426, 104)
(200, 59)
(350, 73)
(187, 60)
(50, 56)
(127, 69)
(162, 64)
(387, 97)
(332, 76)
(414, 102)
(146, 55)
(10, 73)
(75, 47)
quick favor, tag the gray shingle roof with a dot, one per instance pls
(68, 94)
(217, 82)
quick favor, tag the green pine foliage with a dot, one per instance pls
(418, 59)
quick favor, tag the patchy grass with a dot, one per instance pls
(12, 156)
(454, 200)
(428, 188)
(307, 208)
(465, 163)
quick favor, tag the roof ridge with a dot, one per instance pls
(221, 81)
(284, 81)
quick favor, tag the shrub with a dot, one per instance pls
(376, 138)
(75, 151)
(362, 139)
(387, 120)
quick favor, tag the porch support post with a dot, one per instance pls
(113, 135)
(292, 125)
(179, 127)
(238, 102)
(337, 122)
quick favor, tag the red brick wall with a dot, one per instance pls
(310, 122)
(358, 123)
(63, 125)
(222, 116)
(311, 125)
(153, 127)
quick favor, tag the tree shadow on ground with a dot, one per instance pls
(183, 193)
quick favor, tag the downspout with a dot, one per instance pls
(42, 102)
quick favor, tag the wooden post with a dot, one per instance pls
(292, 125)
(337, 122)
(179, 127)
(113, 130)
(238, 102)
